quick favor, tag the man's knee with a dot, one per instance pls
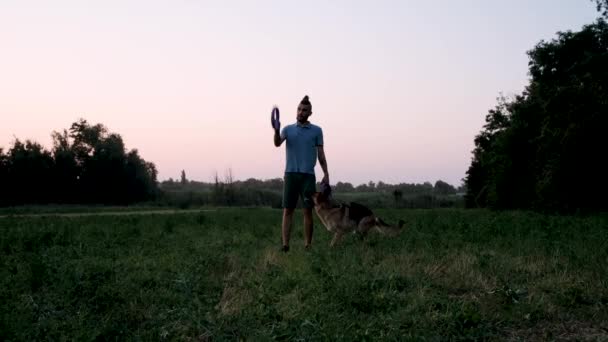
(288, 211)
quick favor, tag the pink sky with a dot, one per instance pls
(400, 88)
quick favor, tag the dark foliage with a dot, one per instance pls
(544, 149)
(86, 165)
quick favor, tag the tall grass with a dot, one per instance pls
(452, 275)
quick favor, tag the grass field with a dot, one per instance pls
(74, 209)
(452, 275)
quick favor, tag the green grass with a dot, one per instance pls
(453, 275)
(76, 208)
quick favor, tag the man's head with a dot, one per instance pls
(304, 110)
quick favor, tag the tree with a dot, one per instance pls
(536, 148)
(3, 177)
(86, 165)
(183, 179)
(141, 178)
(29, 173)
(85, 138)
(67, 172)
(343, 187)
(398, 196)
(443, 188)
(362, 188)
(602, 7)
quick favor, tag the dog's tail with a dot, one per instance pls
(387, 229)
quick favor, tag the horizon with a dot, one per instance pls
(318, 180)
(399, 88)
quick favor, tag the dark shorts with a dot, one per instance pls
(298, 185)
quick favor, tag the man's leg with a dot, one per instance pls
(308, 189)
(290, 201)
(307, 227)
(286, 228)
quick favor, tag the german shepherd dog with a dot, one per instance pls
(347, 218)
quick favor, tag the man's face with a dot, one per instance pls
(304, 112)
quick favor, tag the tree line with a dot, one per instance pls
(276, 184)
(545, 148)
(226, 191)
(87, 164)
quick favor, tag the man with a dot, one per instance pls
(304, 145)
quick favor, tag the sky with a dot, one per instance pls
(400, 88)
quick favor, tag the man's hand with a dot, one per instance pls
(325, 179)
(274, 119)
(276, 126)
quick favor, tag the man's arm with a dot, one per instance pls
(278, 139)
(323, 163)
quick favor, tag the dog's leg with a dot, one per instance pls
(365, 225)
(336, 239)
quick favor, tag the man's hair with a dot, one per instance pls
(306, 101)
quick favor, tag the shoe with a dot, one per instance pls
(285, 249)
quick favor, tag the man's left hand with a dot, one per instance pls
(274, 119)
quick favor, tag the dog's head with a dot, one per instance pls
(323, 196)
(318, 198)
(325, 189)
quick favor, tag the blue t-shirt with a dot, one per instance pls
(301, 150)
